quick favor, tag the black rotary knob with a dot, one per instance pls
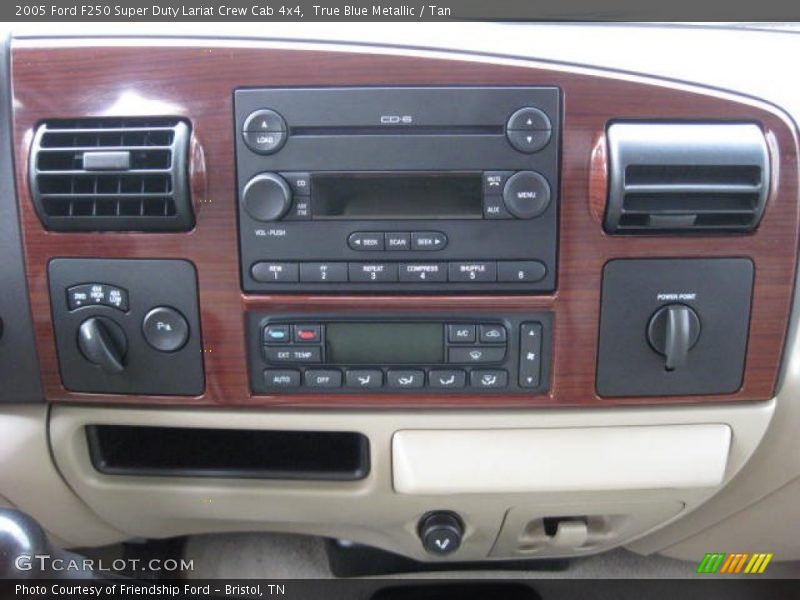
(526, 194)
(441, 532)
(266, 197)
(103, 343)
(673, 330)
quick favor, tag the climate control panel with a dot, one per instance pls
(402, 353)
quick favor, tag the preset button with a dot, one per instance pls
(522, 271)
(323, 272)
(273, 272)
(473, 271)
(373, 272)
(423, 272)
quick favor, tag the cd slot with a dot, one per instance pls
(398, 129)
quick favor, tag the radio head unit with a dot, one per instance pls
(387, 189)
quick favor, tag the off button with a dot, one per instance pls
(165, 329)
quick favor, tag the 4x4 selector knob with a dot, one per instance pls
(266, 197)
(103, 343)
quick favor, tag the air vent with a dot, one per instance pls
(111, 174)
(684, 178)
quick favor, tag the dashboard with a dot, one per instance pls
(468, 293)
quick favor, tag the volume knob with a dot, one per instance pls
(266, 197)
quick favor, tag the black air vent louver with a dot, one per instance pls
(681, 178)
(112, 174)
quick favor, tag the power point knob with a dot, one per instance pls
(672, 332)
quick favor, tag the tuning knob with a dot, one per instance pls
(266, 197)
(103, 343)
(673, 330)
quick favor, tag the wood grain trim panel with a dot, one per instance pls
(63, 79)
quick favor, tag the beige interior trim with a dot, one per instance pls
(559, 460)
(368, 511)
(30, 481)
(770, 525)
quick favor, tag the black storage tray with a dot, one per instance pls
(257, 454)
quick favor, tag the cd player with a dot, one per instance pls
(398, 189)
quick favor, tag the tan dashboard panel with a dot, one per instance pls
(195, 80)
(370, 511)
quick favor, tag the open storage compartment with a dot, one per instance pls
(258, 454)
